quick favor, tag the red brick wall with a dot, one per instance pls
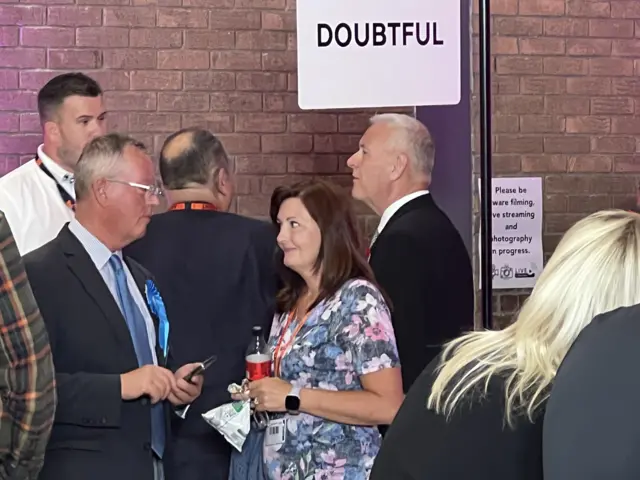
(566, 107)
(565, 91)
(229, 65)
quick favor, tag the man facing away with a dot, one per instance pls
(26, 369)
(215, 270)
(108, 329)
(38, 197)
(417, 254)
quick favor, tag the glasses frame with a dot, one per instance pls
(153, 190)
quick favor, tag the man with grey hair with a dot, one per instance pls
(416, 253)
(107, 325)
(216, 272)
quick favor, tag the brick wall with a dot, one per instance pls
(229, 65)
(566, 107)
(565, 92)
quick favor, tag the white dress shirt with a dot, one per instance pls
(391, 210)
(100, 256)
(32, 204)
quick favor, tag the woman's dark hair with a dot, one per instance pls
(341, 255)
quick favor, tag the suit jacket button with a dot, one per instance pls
(103, 421)
(147, 446)
(144, 402)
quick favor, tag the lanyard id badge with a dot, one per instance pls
(276, 433)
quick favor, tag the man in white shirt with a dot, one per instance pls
(417, 254)
(38, 198)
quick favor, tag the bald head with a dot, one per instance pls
(192, 157)
(182, 142)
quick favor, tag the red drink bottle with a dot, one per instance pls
(258, 358)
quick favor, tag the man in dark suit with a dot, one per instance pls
(217, 276)
(591, 427)
(107, 327)
(417, 254)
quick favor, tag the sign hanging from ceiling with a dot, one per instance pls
(378, 53)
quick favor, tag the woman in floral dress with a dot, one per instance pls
(335, 361)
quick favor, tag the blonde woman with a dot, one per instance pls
(476, 411)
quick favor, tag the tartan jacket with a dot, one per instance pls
(27, 377)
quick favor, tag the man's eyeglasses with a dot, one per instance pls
(152, 190)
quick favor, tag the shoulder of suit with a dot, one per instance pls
(42, 256)
(228, 218)
(253, 228)
(249, 222)
(419, 224)
(138, 266)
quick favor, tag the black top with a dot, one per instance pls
(421, 262)
(591, 428)
(475, 443)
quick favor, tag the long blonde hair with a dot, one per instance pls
(594, 269)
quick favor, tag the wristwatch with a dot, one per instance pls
(292, 401)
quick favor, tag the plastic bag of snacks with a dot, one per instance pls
(232, 420)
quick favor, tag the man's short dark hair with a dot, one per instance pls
(192, 156)
(56, 90)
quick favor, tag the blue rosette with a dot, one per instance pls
(156, 305)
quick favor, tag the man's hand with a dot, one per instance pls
(157, 382)
(183, 392)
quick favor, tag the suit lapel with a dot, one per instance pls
(81, 265)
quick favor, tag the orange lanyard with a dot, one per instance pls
(280, 351)
(193, 206)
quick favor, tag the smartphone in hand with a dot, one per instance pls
(199, 370)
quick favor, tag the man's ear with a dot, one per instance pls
(52, 131)
(399, 165)
(100, 192)
(225, 183)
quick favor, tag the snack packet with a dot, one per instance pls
(232, 420)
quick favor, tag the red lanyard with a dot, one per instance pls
(280, 351)
(193, 206)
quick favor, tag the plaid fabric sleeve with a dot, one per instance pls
(27, 377)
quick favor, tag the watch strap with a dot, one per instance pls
(295, 393)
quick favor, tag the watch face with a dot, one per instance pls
(292, 403)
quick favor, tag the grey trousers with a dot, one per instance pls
(158, 469)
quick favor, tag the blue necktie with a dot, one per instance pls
(137, 328)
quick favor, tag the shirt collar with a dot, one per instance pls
(59, 173)
(97, 250)
(391, 210)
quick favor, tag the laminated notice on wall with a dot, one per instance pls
(516, 218)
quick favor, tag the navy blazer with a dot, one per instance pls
(422, 264)
(95, 434)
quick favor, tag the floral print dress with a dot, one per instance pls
(344, 337)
